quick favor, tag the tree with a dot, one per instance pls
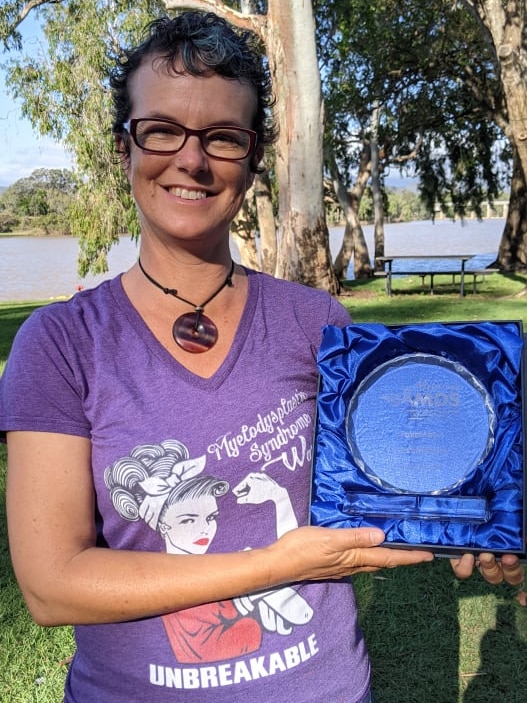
(503, 24)
(65, 95)
(435, 72)
(354, 242)
(44, 197)
(429, 71)
(405, 205)
(256, 221)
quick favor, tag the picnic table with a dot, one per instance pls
(432, 270)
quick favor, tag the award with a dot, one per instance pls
(421, 405)
(420, 432)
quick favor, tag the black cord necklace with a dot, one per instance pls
(194, 332)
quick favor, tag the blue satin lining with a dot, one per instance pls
(485, 512)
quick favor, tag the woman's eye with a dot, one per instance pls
(223, 137)
(155, 131)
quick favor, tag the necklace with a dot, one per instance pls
(194, 332)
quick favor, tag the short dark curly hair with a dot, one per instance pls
(200, 42)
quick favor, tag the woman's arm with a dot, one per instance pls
(66, 579)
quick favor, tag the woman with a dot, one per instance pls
(186, 349)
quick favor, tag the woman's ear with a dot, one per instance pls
(256, 160)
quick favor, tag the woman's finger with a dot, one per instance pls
(489, 568)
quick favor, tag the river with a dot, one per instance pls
(45, 268)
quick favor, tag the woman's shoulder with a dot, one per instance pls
(85, 309)
(290, 289)
(303, 299)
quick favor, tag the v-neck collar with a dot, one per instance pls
(155, 347)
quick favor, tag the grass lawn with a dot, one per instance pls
(497, 298)
(432, 639)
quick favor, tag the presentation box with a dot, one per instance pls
(420, 431)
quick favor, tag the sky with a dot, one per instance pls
(22, 150)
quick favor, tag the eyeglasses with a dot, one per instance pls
(161, 136)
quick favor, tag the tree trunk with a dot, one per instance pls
(242, 234)
(378, 209)
(347, 248)
(512, 254)
(263, 195)
(266, 223)
(505, 23)
(354, 242)
(303, 238)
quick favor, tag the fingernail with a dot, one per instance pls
(376, 535)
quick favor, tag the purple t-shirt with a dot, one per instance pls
(192, 465)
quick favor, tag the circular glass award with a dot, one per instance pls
(420, 424)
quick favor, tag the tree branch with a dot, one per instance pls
(27, 8)
(254, 23)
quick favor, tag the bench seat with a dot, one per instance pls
(478, 275)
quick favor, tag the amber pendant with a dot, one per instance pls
(195, 332)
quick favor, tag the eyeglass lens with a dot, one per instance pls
(223, 142)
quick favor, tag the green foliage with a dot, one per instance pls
(405, 205)
(435, 77)
(65, 95)
(9, 18)
(427, 64)
(42, 201)
(8, 221)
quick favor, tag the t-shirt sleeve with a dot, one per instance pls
(41, 388)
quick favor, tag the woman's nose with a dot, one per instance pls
(192, 157)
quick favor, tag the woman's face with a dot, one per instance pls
(188, 196)
(190, 525)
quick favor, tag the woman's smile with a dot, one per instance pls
(187, 194)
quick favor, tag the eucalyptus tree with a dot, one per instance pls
(433, 76)
(503, 24)
(64, 93)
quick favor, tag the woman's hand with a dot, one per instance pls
(318, 553)
(506, 569)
